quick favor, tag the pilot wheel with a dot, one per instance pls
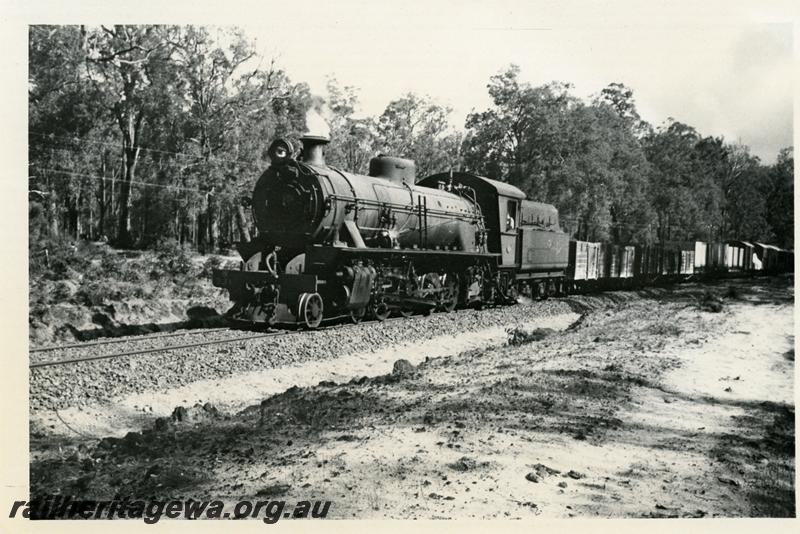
(357, 315)
(310, 310)
(380, 310)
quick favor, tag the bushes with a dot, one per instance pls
(89, 274)
(214, 262)
(112, 264)
(56, 260)
(64, 291)
(173, 258)
(98, 293)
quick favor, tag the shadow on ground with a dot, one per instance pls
(514, 393)
(197, 317)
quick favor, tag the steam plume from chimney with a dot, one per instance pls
(316, 125)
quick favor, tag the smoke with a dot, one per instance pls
(317, 125)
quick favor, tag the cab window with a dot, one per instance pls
(511, 215)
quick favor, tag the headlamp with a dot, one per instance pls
(280, 151)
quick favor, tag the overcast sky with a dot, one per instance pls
(723, 75)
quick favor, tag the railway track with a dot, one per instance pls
(175, 347)
(179, 346)
(126, 339)
(112, 371)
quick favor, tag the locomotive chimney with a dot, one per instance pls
(313, 149)
(316, 137)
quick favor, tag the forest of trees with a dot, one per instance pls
(139, 134)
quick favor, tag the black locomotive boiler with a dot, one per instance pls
(332, 243)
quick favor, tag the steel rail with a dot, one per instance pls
(167, 348)
(132, 338)
(170, 348)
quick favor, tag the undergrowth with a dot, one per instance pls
(93, 274)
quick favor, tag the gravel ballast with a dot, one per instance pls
(76, 384)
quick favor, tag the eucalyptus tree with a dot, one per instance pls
(418, 128)
(128, 66)
(353, 139)
(584, 158)
(235, 101)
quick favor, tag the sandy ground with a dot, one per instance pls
(651, 408)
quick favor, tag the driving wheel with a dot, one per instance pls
(450, 292)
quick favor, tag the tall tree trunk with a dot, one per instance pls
(241, 224)
(124, 237)
(212, 220)
(112, 213)
(176, 222)
(196, 227)
(78, 214)
(52, 209)
(144, 214)
(130, 126)
(668, 228)
(101, 212)
(73, 215)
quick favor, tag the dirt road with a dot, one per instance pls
(647, 407)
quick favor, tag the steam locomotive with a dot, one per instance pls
(336, 244)
(332, 243)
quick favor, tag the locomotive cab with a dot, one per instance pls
(499, 203)
(526, 234)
